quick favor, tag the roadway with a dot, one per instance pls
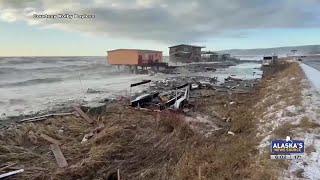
(315, 63)
(311, 67)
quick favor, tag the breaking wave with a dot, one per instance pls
(16, 101)
(16, 60)
(7, 70)
(32, 82)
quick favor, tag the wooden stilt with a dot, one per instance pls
(118, 174)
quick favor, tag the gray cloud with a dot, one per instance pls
(167, 20)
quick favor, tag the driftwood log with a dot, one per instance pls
(82, 114)
(61, 160)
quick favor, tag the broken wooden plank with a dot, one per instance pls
(32, 120)
(50, 139)
(118, 174)
(140, 83)
(44, 117)
(181, 86)
(92, 133)
(61, 160)
(83, 115)
(11, 173)
(7, 166)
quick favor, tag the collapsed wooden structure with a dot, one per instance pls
(179, 97)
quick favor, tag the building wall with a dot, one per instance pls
(123, 57)
(150, 57)
(185, 54)
(209, 57)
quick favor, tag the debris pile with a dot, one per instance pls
(122, 140)
(237, 85)
(166, 94)
(172, 82)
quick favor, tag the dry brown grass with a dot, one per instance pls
(310, 149)
(266, 169)
(285, 82)
(223, 156)
(306, 124)
(227, 158)
(133, 142)
(281, 84)
(283, 131)
(288, 128)
(299, 173)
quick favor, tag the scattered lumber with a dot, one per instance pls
(140, 83)
(32, 120)
(44, 117)
(7, 166)
(92, 133)
(87, 137)
(143, 99)
(11, 173)
(118, 174)
(61, 160)
(50, 139)
(231, 133)
(83, 115)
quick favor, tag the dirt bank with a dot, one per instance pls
(289, 107)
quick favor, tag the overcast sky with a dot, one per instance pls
(154, 24)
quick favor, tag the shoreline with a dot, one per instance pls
(57, 106)
(222, 134)
(212, 114)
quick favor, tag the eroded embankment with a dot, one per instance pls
(222, 137)
(288, 107)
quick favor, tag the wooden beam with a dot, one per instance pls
(7, 166)
(140, 83)
(50, 139)
(44, 117)
(118, 174)
(11, 173)
(83, 115)
(61, 161)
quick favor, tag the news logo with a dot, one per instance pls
(287, 149)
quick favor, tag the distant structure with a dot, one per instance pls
(209, 56)
(225, 57)
(185, 53)
(268, 60)
(135, 58)
(294, 51)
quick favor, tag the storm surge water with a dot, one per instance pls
(32, 84)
